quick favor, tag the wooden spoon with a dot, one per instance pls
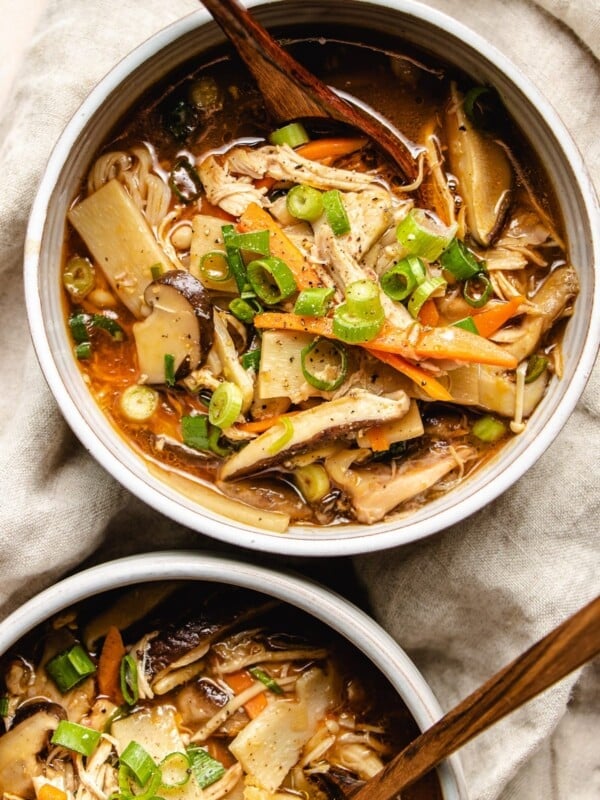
(556, 655)
(291, 92)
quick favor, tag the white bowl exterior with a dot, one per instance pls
(326, 606)
(416, 23)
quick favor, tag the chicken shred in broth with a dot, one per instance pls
(194, 692)
(277, 316)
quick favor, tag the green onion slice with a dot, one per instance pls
(185, 181)
(139, 402)
(3, 706)
(129, 680)
(400, 280)
(78, 277)
(335, 212)
(478, 290)
(286, 436)
(76, 737)
(225, 405)
(214, 266)
(156, 270)
(268, 681)
(169, 364)
(293, 135)
(353, 329)
(271, 279)
(470, 103)
(195, 431)
(313, 482)
(253, 242)
(175, 770)
(314, 302)
(535, 367)
(234, 257)
(423, 234)
(251, 360)
(70, 667)
(78, 327)
(140, 763)
(304, 202)
(205, 769)
(108, 324)
(488, 429)
(422, 293)
(363, 299)
(242, 310)
(83, 350)
(467, 324)
(459, 261)
(324, 364)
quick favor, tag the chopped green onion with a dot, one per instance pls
(422, 234)
(362, 298)
(335, 212)
(76, 737)
(185, 181)
(140, 763)
(268, 681)
(169, 363)
(422, 293)
(78, 323)
(251, 360)
(156, 271)
(234, 257)
(253, 242)
(281, 441)
(478, 290)
(83, 350)
(78, 277)
(400, 280)
(304, 202)
(324, 364)
(488, 429)
(214, 435)
(138, 402)
(470, 103)
(535, 367)
(195, 431)
(225, 405)
(353, 329)
(313, 482)
(293, 135)
(70, 667)
(459, 261)
(214, 266)
(79, 331)
(271, 279)
(467, 324)
(129, 680)
(3, 706)
(205, 769)
(242, 310)
(314, 302)
(175, 770)
(108, 324)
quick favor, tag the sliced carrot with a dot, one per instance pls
(321, 149)
(378, 439)
(429, 315)
(50, 792)
(423, 379)
(109, 665)
(214, 211)
(489, 320)
(258, 425)
(265, 183)
(450, 343)
(239, 682)
(256, 218)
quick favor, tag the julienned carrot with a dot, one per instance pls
(261, 425)
(50, 792)
(492, 319)
(423, 379)
(239, 682)
(429, 315)
(449, 343)
(109, 665)
(378, 439)
(256, 218)
(320, 149)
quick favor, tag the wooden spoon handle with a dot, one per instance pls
(290, 91)
(556, 655)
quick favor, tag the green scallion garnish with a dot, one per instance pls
(251, 359)
(271, 279)
(141, 765)
(78, 277)
(286, 436)
(175, 770)
(293, 135)
(225, 405)
(535, 367)
(335, 212)
(3, 706)
(70, 667)
(423, 234)
(304, 202)
(205, 769)
(467, 324)
(488, 429)
(459, 261)
(314, 302)
(242, 310)
(234, 257)
(423, 292)
(478, 290)
(268, 681)
(324, 364)
(129, 680)
(400, 280)
(76, 737)
(169, 364)
(252, 242)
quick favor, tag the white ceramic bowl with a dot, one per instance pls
(156, 57)
(321, 603)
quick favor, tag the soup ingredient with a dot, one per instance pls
(78, 277)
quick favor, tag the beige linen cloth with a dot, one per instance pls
(464, 602)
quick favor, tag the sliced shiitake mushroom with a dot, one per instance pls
(180, 326)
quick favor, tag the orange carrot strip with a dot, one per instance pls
(255, 218)
(265, 183)
(239, 681)
(258, 425)
(490, 320)
(378, 439)
(50, 792)
(454, 344)
(109, 665)
(429, 315)
(422, 378)
(320, 149)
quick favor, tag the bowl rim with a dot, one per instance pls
(317, 600)
(325, 542)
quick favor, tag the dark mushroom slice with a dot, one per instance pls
(179, 327)
(22, 748)
(334, 419)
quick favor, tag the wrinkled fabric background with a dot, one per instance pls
(462, 603)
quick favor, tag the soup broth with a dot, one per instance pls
(278, 314)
